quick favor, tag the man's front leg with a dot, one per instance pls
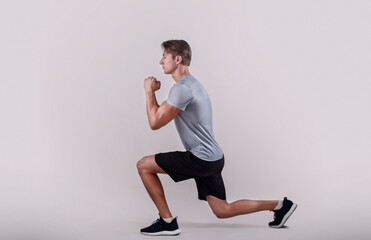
(148, 169)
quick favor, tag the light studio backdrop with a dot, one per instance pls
(290, 87)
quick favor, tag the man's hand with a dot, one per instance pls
(151, 84)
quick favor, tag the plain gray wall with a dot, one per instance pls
(289, 83)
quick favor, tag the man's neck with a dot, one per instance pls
(179, 73)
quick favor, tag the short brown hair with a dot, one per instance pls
(178, 48)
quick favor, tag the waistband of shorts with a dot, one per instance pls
(220, 159)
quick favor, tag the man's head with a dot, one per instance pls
(175, 52)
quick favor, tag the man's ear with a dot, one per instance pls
(178, 59)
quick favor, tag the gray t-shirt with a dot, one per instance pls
(194, 121)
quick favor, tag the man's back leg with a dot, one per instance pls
(223, 209)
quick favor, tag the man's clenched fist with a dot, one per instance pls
(151, 84)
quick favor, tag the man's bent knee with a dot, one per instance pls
(220, 208)
(148, 165)
(221, 213)
(140, 165)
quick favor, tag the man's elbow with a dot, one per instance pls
(154, 126)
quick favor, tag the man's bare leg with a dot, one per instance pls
(223, 209)
(148, 169)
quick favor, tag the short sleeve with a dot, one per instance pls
(180, 96)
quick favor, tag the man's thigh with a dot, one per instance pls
(148, 164)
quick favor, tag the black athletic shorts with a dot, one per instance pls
(184, 165)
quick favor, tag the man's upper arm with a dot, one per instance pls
(165, 113)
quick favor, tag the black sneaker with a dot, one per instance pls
(162, 228)
(281, 215)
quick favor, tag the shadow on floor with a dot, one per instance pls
(220, 225)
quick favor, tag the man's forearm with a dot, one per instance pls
(152, 106)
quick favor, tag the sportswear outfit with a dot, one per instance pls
(203, 159)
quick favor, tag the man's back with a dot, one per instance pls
(194, 121)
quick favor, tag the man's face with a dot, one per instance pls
(168, 63)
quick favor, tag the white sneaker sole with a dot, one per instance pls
(163, 233)
(288, 214)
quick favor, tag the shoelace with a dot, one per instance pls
(155, 222)
(275, 214)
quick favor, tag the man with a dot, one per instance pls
(190, 107)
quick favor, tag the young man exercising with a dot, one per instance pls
(189, 105)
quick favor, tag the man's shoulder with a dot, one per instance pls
(181, 86)
(190, 81)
